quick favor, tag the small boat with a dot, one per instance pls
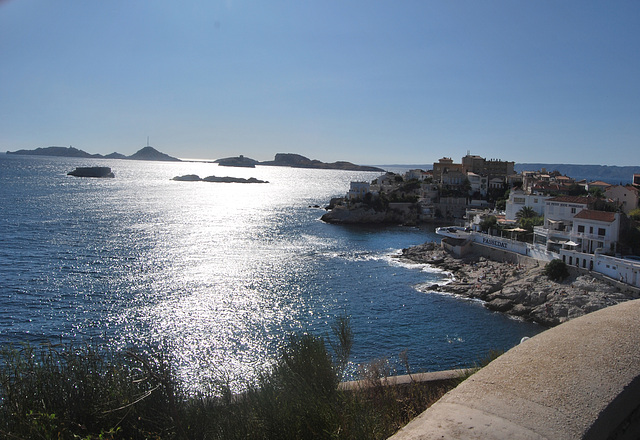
(453, 231)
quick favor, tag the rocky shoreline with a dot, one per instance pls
(516, 290)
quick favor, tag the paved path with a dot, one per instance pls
(578, 380)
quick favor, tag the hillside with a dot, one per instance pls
(609, 174)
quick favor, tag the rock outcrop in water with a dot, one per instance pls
(517, 290)
(298, 161)
(91, 172)
(196, 178)
(239, 161)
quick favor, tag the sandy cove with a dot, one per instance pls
(517, 290)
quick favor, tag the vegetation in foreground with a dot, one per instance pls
(77, 393)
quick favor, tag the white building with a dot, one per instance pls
(357, 190)
(518, 199)
(478, 183)
(594, 230)
(625, 196)
(496, 183)
(416, 174)
(570, 224)
(561, 210)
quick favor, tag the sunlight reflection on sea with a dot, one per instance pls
(217, 274)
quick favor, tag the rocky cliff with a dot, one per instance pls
(517, 290)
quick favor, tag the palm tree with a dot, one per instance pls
(526, 212)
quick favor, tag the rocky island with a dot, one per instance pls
(292, 160)
(239, 161)
(196, 178)
(100, 172)
(518, 290)
(298, 161)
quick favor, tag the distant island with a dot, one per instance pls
(239, 161)
(146, 153)
(100, 172)
(149, 153)
(196, 178)
(295, 161)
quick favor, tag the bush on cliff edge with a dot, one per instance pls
(556, 270)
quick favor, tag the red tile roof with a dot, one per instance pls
(601, 216)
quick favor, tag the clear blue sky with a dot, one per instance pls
(371, 82)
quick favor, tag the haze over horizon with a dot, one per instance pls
(369, 83)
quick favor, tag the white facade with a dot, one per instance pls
(478, 183)
(625, 196)
(357, 190)
(559, 213)
(496, 183)
(518, 199)
(594, 230)
(563, 209)
(416, 174)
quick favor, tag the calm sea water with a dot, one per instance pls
(218, 274)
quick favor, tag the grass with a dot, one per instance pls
(69, 392)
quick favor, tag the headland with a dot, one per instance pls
(519, 289)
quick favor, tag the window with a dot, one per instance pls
(590, 229)
(601, 231)
(573, 210)
(581, 228)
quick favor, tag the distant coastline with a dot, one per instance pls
(146, 153)
(293, 160)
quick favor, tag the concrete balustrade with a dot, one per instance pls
(580, 380)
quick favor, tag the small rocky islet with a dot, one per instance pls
(517, 290)
(196, 178)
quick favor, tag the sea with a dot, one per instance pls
(217, 276)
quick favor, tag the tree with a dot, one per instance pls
(635, 214)
(488, 223)
(529, 222)
(526, 212)
(597, 192)
(466, 186)
(556, 270)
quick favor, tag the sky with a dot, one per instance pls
(366, 81)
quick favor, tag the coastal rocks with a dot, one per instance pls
(188, 178)
(365, 214)
(196, 178)
(516, 290)
(101, 172)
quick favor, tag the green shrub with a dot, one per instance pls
(556, 270)
(66, 392)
